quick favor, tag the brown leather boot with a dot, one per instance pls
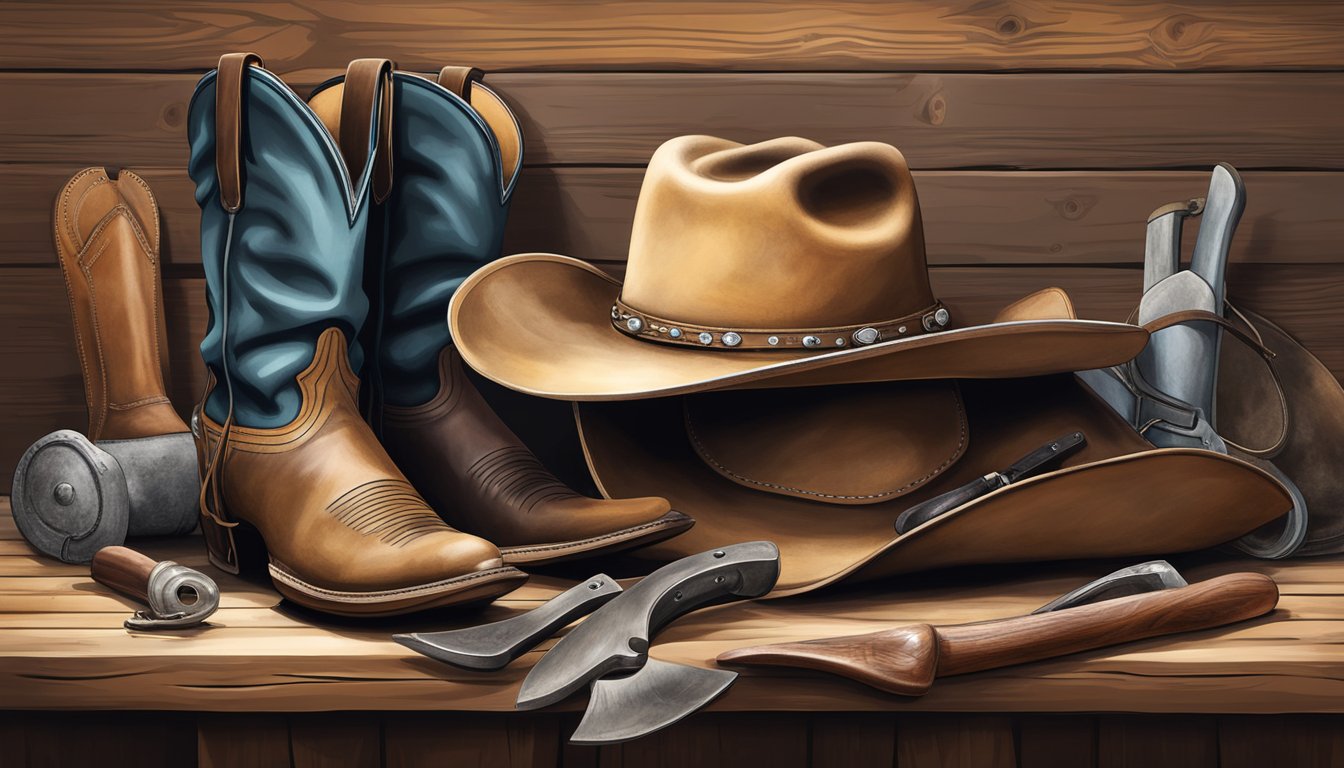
(283, 448)
(466, 460)
(107, 235)
(456, 150)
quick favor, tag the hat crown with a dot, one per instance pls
(782, 234)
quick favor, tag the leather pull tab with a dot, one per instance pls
(459, 80)
(368, 86)
(229, 126)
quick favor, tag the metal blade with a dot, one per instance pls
(616, 638)
(658, 695)
(1152, 576)
(492, 646)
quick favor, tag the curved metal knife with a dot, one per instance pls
(634, 695)
(489, 647)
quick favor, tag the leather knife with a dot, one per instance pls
(1047, 455)
(632, 694)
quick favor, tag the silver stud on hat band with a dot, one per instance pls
(652, 328)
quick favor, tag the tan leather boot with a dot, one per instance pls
(107, 238)
(352, 537)
(466, 460)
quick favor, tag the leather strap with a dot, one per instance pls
(459, 80)
(1187, 417)
(229, 126)
(644, 326)
(368, 85)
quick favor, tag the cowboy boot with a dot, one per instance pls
(456, 151)
(283, 448)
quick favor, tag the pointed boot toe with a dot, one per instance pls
(344, 532)
(481, 479)
(581, 527)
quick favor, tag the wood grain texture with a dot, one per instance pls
(968, 741)
(970, 217)
(729, 35)
(40, 387)
(1154, 742)
(939, 121)
(257, 740)
(280, 659)
(335, 740)
(853, 739)
(1305, 741)
(1057, 741)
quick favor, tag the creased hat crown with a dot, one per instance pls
(784, 234)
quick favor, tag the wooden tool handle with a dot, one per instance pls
(124, 570)
(1212, 603)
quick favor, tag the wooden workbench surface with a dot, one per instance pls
(62, 645)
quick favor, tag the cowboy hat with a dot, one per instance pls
(783, 263)
(826, 473)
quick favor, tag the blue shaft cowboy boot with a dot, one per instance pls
(456, 151)
(282, 445)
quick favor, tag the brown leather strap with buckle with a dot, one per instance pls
(459, 80)
(368, 84)
(642, 325)
(229, 126)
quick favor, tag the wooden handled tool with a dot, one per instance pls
(124, 570)
(906, 660)
(177, 596)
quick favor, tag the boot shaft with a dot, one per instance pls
(283, 224)
(456, 150)
(107, 243)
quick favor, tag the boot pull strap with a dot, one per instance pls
(229, 126)
(368, 84)
(459, 80)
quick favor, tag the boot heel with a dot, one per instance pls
(239, 549)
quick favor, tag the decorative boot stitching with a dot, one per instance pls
(389, 509)
(517, 476)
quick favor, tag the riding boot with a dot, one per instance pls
(456, 153)
(283, 450)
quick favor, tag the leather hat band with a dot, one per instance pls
(642, 325)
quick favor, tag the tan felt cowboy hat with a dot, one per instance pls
(825, 472)
(784, 263)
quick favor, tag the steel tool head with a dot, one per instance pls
(616, 638)
(1152, 576)
(624, 707)
(492, 646)
(70, 497)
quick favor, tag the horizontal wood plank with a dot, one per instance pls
(940, 121)
(252, 657)
(536, 34)
(970, 217)
(45, 392)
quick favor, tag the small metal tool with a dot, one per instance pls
(177, 596)
(1152, 576)
(1047, 455)
(489, 647)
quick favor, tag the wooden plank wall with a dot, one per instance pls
(1042, 132)
(794, 740)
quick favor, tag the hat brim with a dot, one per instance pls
(1118, 498)
(541, 324)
